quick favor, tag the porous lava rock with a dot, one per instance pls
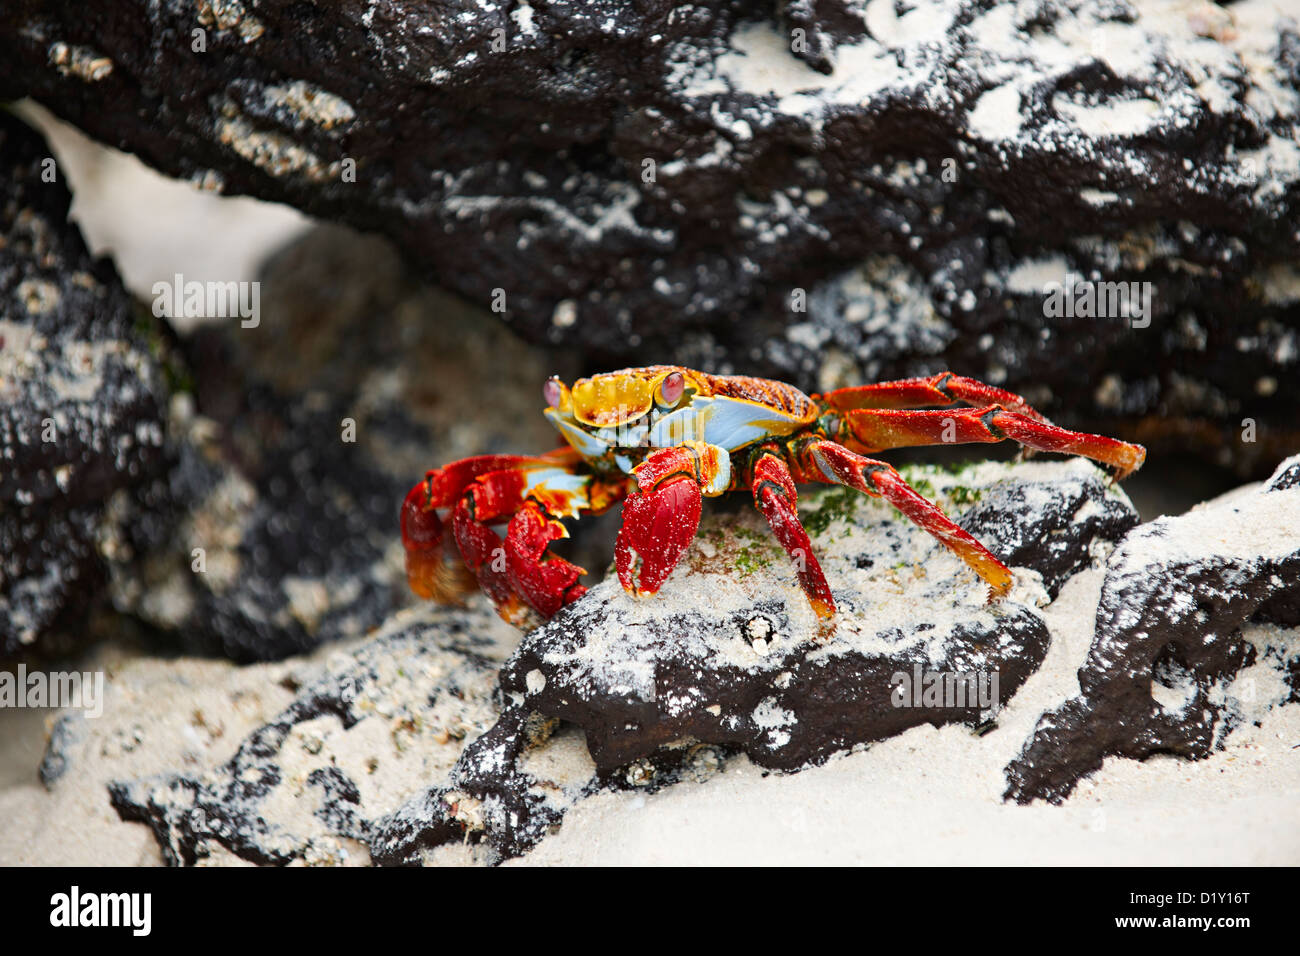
(1168, 637)
(825, 191)
(84, 392)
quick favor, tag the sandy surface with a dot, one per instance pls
(148, 727)
(927, 796)
(934, 796)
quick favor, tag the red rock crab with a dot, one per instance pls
(662, 438)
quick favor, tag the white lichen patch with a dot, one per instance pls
(996, 115)
(19, 356)
(773, 720)
(1280, 285)
(274, 153)
(38, 296)
(1114, 118)
(80, 61)
(565, 314)
(1098, 197)
(1032, 276)
(590, 222)
(1176, 692)
(310, 104)
(216, 527)
(309, 599)
(230, 15)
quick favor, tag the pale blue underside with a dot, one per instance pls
(727, 423)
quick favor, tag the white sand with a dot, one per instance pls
(159, 716)
(927, 796)
(934, 796)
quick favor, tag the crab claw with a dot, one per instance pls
(546, 582)
(429, 574)
(658, 525)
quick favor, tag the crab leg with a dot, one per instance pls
(516, 573)
(487, 500)
(775, 497)
(872, 430)
(876, 478)
(661, 518)
(428, 574)
(519, 573)
(545, 582)
(942, 389)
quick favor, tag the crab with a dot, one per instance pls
(661, 439)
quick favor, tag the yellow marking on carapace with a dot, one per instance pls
(613, 398)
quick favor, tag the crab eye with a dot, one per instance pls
(552, 393)
(672, 387)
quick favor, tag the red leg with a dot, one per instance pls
(942, 389)
(520, 573)
(427, 572)
(775, 496)
(839, 465)
(429, 575)
(489, 499)
(872, 430)
(517, 573)
(659, 520)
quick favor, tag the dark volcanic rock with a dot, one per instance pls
(730, 653)
(83, 400)
(667, 680)
(650, 179)
(281, 532)
(1056, 524)
(1168, 638)
(383, 721)
(487, 795)
(511, 788)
